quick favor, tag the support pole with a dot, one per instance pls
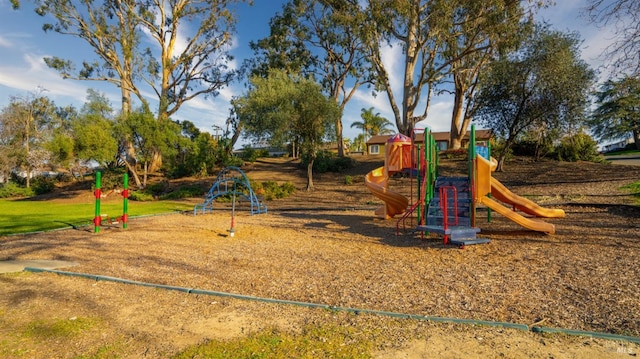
(233, 211)
(471, 150)
(125, 203)
(97, 193)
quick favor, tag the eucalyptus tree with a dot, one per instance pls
(178, 48)
(310, 37)
(478, 31)
(281, 107)
(444, 45)
(111, 30)
(544, 84)
(617, 113)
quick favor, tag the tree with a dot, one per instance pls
(358, 143)
(618, 110)
(93, 131)
(372, 124)
(544, 84)
(197, 66)
(438, 38)
(479, 30)
(624, 51)
(148, 135)
(112, 31)
(27, 124)
(283, 107)
(310, 37)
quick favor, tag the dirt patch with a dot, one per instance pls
(327, 247)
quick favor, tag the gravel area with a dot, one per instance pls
(327, 247)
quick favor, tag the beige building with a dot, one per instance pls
(376, 144)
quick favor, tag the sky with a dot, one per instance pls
(23, 45)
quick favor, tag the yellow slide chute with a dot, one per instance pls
(398, 157)
(394, 203)
(486, 184)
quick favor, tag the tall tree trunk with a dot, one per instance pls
(636, 138)
(312, 158)
(455, 136)
(310, 176)
(339, 138)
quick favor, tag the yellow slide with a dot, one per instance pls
(485, 184)
(395, 203)
(502, 194)
(531, 223)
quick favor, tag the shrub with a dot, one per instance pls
(327, 161)
(184, 192)
(272, 190)
(460, 153)
(11, 190)
(578, 147)
(42, 185)
(348, 180)
(157, 188)
(251, 154)
(140, 196)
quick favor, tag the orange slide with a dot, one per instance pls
(395, 203)
(502, 194)
(485, 184)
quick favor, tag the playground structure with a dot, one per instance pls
(99, 217)
(231, 181)
(447, 205)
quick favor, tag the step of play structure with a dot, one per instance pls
(435, 213)
(458, 229)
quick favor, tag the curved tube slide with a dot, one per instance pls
(395, 203)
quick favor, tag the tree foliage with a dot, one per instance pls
(372, 124)
(310, 37)
(543, 85)
(624, 51)
(288, 108)
(618, 110)
(183, 62)
(27, 125)
(443, 42)
(93, 131)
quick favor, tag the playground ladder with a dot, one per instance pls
(450, 216)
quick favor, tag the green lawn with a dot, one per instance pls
(23, 215)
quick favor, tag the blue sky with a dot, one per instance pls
(23, 45)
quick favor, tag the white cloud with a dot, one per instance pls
(4, 42)
(33, 72)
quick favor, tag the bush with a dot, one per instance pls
(140, 196)
(578, 147)
(184, 192)
(327, 161)
(12, 190)
(42, 185)
(251, 154)
(271, 190)
(348, 180)
(459, 154)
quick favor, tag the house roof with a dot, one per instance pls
(438, 136)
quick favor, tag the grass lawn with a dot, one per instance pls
(23, 216)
